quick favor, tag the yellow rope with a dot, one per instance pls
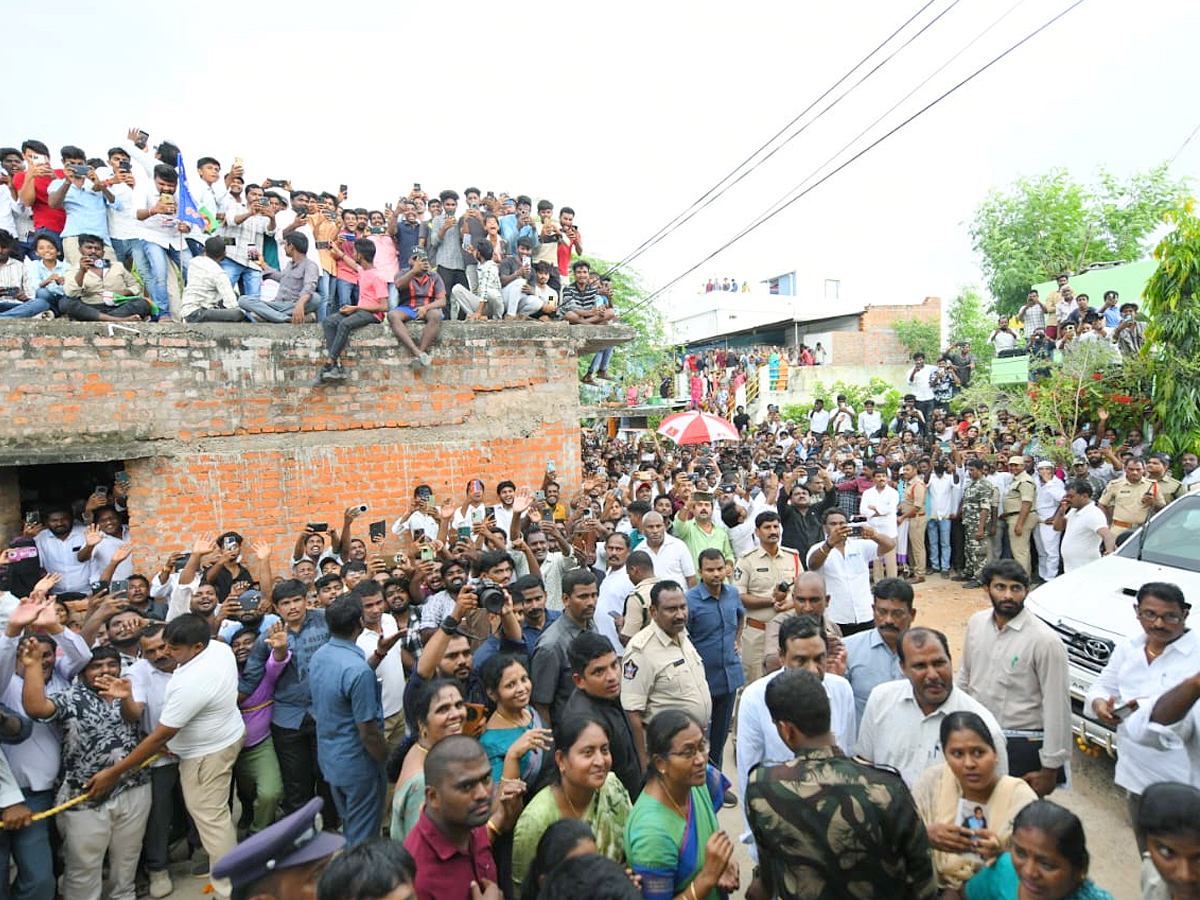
(37, 817)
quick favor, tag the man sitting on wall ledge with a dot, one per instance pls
(98, 290)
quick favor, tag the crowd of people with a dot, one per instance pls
(130, 236)
(497, 680)
(726, 284)
(1066, 321)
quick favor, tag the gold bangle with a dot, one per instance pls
(692, 889)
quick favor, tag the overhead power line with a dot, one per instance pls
(783, 203)
(721, 186)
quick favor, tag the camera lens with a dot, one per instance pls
(492, 598)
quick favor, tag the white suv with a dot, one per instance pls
(1092, 607)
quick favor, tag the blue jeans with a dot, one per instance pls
(159, 259)
(360, 804)
(939, 545)
(30, 847)
(249, 279)
(325, 292)
(600, 361)
(344, 292)
(43, 301)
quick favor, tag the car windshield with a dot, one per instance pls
(1172, 538)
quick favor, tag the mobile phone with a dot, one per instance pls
(250, 600)
(1123, 710)
(377, 529)
(125, 165)
(539, 496)
(476, 516)
(100, 263)
(33, 517)
(237, 163)
(121, 477)
(463, 532)
(230, 242)
(550, 465)
(118, 586)
(100, 491)
(182, 561)
(322, 245)
(18, 553)
(426, 554)
(318, 526)
(376, 229)
(616, 615)
(229, 544)
(40, 159)
(97, 586)
(416, 185)
(143, 138)
(341, 189)
(81, 171)
(589, 513)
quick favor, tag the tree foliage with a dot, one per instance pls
(646, 353)
(1173, 334)
(1051, 223)
(919, 335)
(971, 319)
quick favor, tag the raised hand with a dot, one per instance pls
(29, 653)
(523, 500)
(92, 536)
(26, 614)
(45, 583)
(262, 550)
(276, 637)
(122, 553)
(205, 544)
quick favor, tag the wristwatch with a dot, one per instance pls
(450, 625)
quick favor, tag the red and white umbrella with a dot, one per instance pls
(697, 428)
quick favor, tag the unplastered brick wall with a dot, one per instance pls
(220, 427)
(875, 343)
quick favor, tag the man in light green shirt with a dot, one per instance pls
(695, 527)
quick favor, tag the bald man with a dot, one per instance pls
(671, 557)
(809, 598)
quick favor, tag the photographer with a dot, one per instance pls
(95, 284)
(844, 559)
(1003, 338)
(86, 205)
(486, 301)
(448, 653)
(297, 295)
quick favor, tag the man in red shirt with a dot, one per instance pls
(422, 299)
(32, 185)
(450, 843)
(569, 240)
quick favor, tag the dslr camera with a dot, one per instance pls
(491, 596)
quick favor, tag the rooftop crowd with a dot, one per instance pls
(106, 239)
(509, 676)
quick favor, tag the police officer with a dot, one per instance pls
(1015, 510)
(976, 512)
(1157, 470)
(283, 861)
(759, 575)
(1128, 501)
(662, 669)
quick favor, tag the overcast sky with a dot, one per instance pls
(628, 111)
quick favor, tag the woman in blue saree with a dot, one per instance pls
(672, 838)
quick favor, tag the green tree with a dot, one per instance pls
(646, 353)
(1173, 334)
(970, 318)
(919, 335)
(1051, 223)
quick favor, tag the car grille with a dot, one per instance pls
(1085, 650)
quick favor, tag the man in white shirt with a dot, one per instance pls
(245, 226)
(1083, 526)
(614, 589)
(422, 518)
(473, 511)
(845, 561)
(58, 545)
(1191, 470)
(201, 724)
(671, 557)
(208, 296)
(879, 504)
(1050, 493)
(870, 422)
(818, 418)
(941, 507)
(842, 420)
(380, 643)
(918, 381)
(803, 644)
(901, 725)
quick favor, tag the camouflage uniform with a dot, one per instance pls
(977, 498)
(830, 828)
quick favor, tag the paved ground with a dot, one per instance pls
(943, 605)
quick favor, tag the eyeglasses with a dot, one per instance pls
(1151, 617)
(691, 752)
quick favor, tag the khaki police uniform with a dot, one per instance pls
(637, 607)
(1170, 489)
(661, 674)
(1022, 490)
(758, 572)
(1124, 500)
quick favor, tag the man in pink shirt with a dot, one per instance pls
(371, 307)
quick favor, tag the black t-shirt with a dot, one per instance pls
(741, 421)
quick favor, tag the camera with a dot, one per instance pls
(362, 508)
(491, 596)
(100, 263)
